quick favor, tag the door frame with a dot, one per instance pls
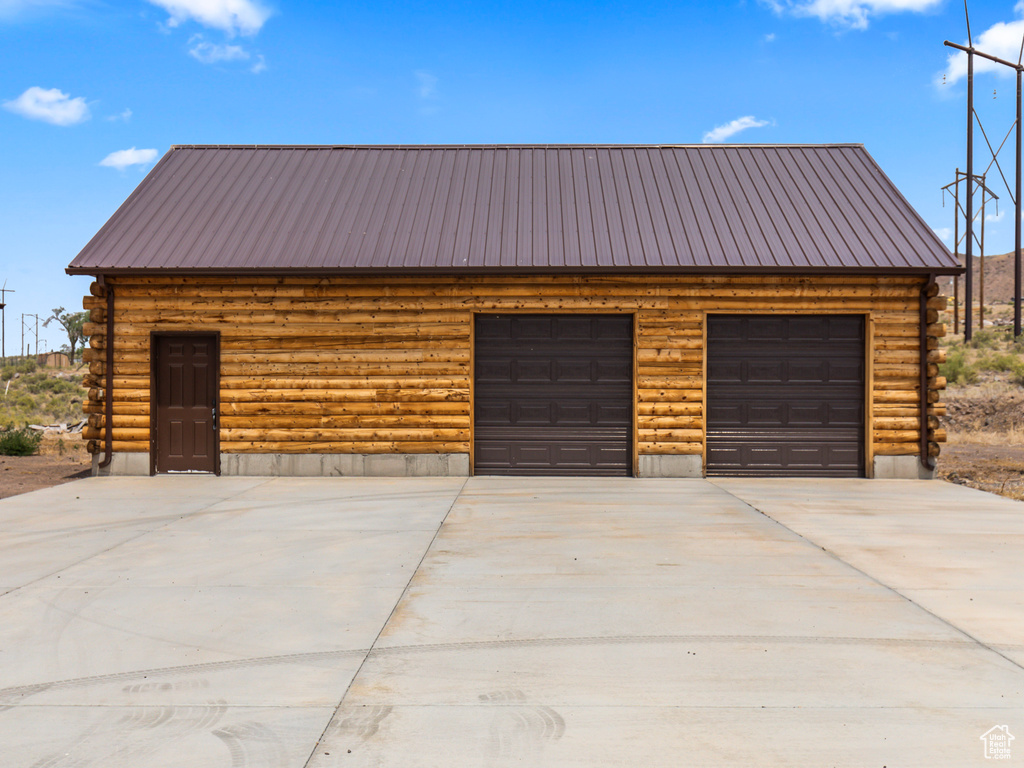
(153, 336)
(633, 459)
(868, 316)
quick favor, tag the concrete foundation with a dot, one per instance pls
(346, 464)
(122, 464)
(901, 468)
(670, 466)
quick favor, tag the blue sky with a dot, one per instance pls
(93, 92)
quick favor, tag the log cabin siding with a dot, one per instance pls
(372, 364)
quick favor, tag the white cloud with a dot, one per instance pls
(244, 17)
(722, 132)
(49, 105)
(126, 157)
(770, 37)
(126, 116)
(211, 53)
(427, 85)
(854, 14)
(259, 66)
(996, 216)
(1001, 39)
(944, 233)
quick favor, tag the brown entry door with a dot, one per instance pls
(553, 394)
(186, 399)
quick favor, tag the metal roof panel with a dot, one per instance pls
(561, 208)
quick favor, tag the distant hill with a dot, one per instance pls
(998, 278)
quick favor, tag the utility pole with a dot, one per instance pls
(25, 349)
(971, 52)
(3, 320)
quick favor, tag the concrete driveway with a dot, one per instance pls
(199, 621)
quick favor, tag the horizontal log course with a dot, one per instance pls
(392, 371)
(122, 395)
(895, 396)
(123, 434)
(120, 409)
(881, 410)
(895, 449)
(649, 382)
(669, 409)
(937, 356)
(460, 354)
(905, 383)
(328, 446)
(670, 435)
(938, 302)
(395, 435)
(99, 420)
(892, 423)
(937, 435)
(937, 330)
(97, 290)
(670, 395)
(934, 449)
(694, 342)
(897, 357)
(343, 408)
(932, 290)
(936, 382)
(657, 355)
(624, 286)
(326, 384)
(369, 394)
(360, 422)
(670, 372)
(670, 449)
(897, 435)
(938, 409)
(645, 423)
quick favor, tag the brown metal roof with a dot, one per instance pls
(704, 208)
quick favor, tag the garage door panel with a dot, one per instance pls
(553, 394)
(785, 395)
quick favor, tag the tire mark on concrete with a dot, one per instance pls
(519, 730)
(27, 690)
(253, 744)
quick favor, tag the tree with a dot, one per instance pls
(72, 322)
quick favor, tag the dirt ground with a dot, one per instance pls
(60, 460)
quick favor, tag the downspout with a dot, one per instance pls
(108, 401)
(923, 327)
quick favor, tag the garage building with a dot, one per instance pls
(525, 310)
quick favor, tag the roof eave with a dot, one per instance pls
(502, 271)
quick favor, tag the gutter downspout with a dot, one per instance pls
(108, 402)
(925, 458)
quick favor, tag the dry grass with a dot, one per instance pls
(1012, 436)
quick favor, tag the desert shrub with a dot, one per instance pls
(19, 442)
(957, 369)
(983, 339)
(1002, 362)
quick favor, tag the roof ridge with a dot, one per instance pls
(520, 146)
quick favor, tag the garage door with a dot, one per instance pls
(553, 394)
(785, 395)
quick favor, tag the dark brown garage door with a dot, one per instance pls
(553, 394)
(785, 395)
